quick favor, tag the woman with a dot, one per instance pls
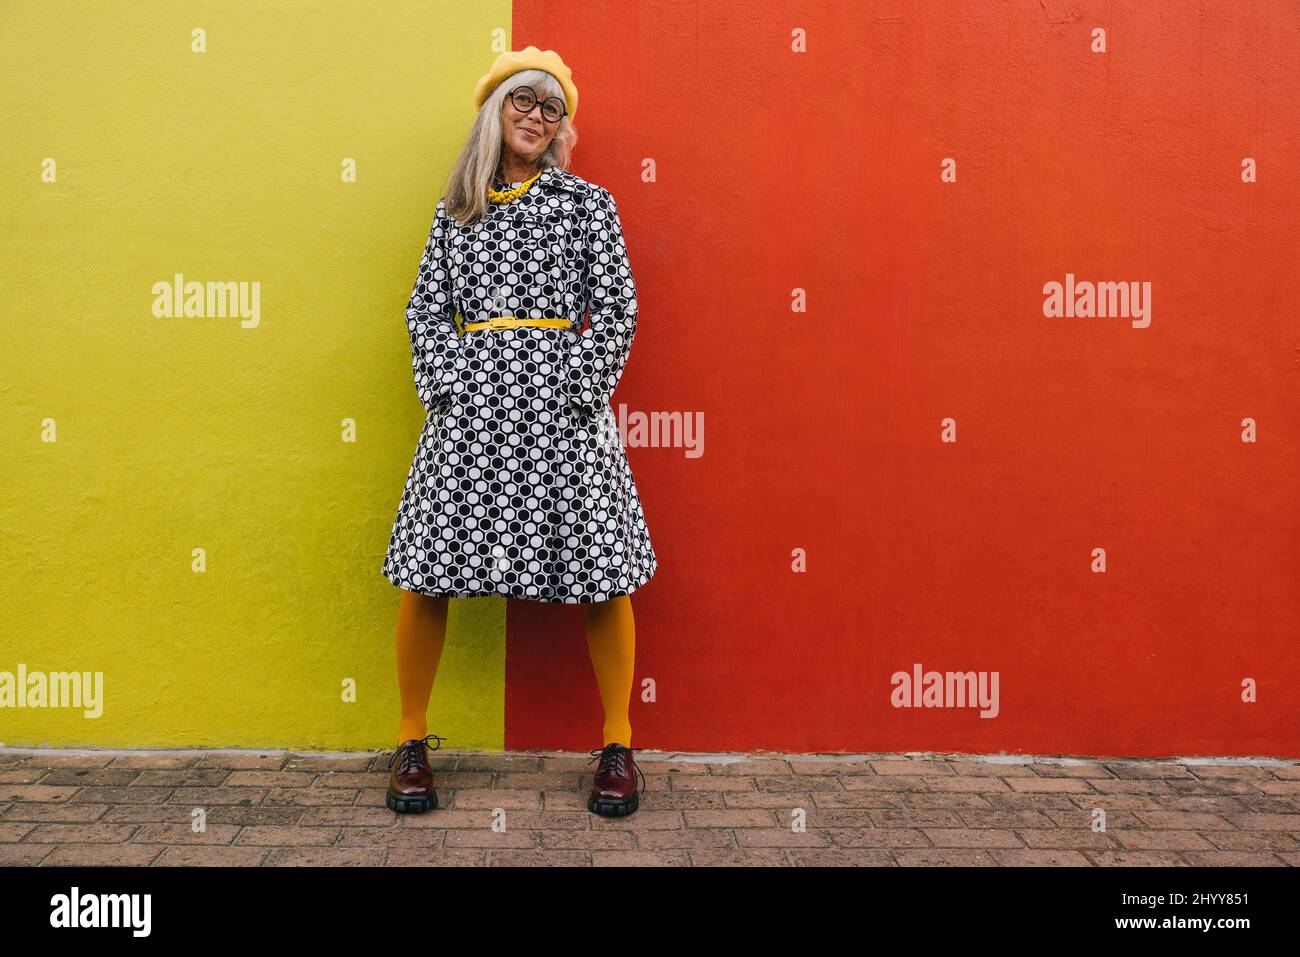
(520, 484)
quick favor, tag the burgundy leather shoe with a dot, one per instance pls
(410, 786)
(614, 791)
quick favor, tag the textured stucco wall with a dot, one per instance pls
(179, 433)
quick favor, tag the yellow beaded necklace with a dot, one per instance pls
(510, 195)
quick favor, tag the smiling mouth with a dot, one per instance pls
(530, 132)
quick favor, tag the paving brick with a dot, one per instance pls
(359, 780)
(271, 836)
(320, 762)
(525, 858)
(887, 837)
(513, 837)
(694, 838)
(970, 837)
(1277, 788)
(1034, 857)
(956, 802)
(771, 768)
(157, 759)
(81, 833)
(311, 797)
(391, 837)
(976, 818)
(489, 798)
(182, 777)
(1252, 840)
(860, 799)
(102, 855)
(710, 783)
(1078, 838)
(68, 759)
(993, 769)
(737, 857)
(34, 792)
(1083, 818)
(325, 857)
(12, 833)
(90, 776)
(60, 813)
(1182, 819)
(732, 818)
(245, 761)
(781, 802)
(1159, 840)
(184, 834)
(1154, 786)
(943, 857)
(1195, 786)
(1056, 785)
(1086, 769)
(658, 800)
(500, 762)
(1217, 772)
(201, 797)
(1147, 769)
(910, 767)
(282, 809)
(436, 857)
(1264, 822)
(1233, 859)
(974, 785)
(346, 816)
(897, 783)
(840, 857)
(1038, 801)
(534, 781)
(832, 817)
(23, 855)
(644, 819)
(915, 817)
(677, 858)
(587, 840)
(781, 837)
(1136, 858)
(22, 775)
(272, 779)
(211, 856)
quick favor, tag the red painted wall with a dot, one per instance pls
(821, 171)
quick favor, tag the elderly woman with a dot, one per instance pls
(520, 485)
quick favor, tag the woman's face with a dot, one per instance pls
(527, 134)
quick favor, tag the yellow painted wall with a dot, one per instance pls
(182, 433)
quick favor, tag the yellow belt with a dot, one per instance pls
(506, 322)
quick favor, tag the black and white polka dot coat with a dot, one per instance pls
(520, 484)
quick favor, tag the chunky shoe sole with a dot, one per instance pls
(410, 803)
(612, 807)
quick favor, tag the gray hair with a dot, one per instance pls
(471, 174)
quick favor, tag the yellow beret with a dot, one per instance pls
(529, 58)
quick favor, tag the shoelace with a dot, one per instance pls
(613, 757)
(413, 751)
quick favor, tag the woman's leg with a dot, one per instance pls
(611, 640)
(421, 632)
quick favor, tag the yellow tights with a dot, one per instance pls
(422, 631)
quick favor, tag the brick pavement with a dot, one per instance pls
(274, 808)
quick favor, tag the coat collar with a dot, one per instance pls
(560, 180)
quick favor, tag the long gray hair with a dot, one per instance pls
(466, 192)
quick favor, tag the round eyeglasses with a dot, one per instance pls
(524, 99)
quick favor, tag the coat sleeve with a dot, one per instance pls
(430, 318)
(598, 355)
